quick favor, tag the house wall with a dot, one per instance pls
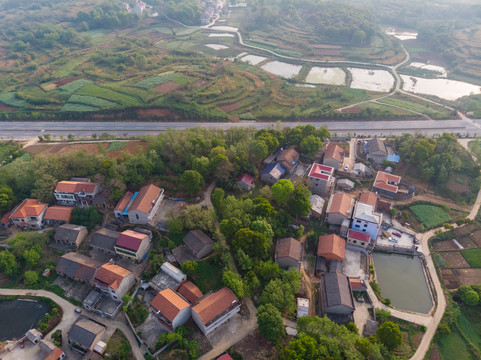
(335, 218)
(182, 317)
(216, 324)
(244, 185)
(206, 250)
(125, 286)
(339, 309)
(81, 237)
(268, 178)
(359, 243)
(332, 163)
(287, 262)
(319, 186)
(138, 217)
(368, 227)
(376, 158)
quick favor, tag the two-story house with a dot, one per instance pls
(321, 179)
(76, 193)
(339, 208)
(133, 244)
(29, 214)
(288, 253)
(334, 155)
(140, 207)
(386, 184)
(289, 159)
(366, 220)
(170, 308)
(114, 280)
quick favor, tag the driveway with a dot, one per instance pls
(69, 317)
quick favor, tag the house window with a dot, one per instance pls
(365, 225)
(137, 216)
(357, 226)
(358, 221)
(363, 230)
(354, 241)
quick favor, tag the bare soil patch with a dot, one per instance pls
(133, 147)
(229, 107)
(454, 259)
(476, 237)
(449, 279)
(7, 108)
(255, 347)
(167, 87)
(467, 276)
(352, 110)
(327, 52)
(90, 149)
(4, 280)
(65, 81)
(157, 113)
(467, 243)
(200, 83)
(434, 354)
(445, 245)
(454, 183)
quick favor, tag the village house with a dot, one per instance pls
(334, 155)
(272, 173)
(104, 240)
(357, 238)
(386, 184)
(289, 159)
(321, 179)
(51, 351)
(169, 277)
(317, 206)
(189, 291)
(5, 220)
(246, 182)
(361, 170)
(171, 309)
(140, 207)
(376, 151)
(345, 184)
(366, 220)
(84, 334)
(339, 208)
(114, 280)
(331, 247)
(198, 243)
(70, 235)
(57, 215)
(34, 336)
(336, 300)
(302, 307)
(288, 253)
(29, 214)
(214, 309)
(77, 267)
(76, 193)
(133, 244)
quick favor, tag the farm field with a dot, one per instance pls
(473, 257)
(414, 104)
(430, 216)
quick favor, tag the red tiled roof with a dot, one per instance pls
(191, 292)
(246, 179)
(214, 304)
(111, 275)
(224, 357)
(339, 203)
(357, 235)
(5, 218)
(383, 179)
(356, 284)
(29, 207)
(321, 171)
(331, 247)
(122, 204)
(289, 247)
(75, 187)
(145, 198)
(59, 213)
(55, 354)
(169, 303)
(334, 151)
(368, 197)
(130, 239)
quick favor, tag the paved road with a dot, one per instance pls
(69, 317)
(26, 130)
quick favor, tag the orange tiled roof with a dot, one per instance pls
(55, 354)
(191, 292)
(289, 247)
(214, 304)
(122, 204)
(334, 151)
(331, 247)
(75, 187)
(368, 197)
(112, 275)
(339, 203)
(144, 200)
(29, 207)
(60, 213)
(385, 181)
(169, 303)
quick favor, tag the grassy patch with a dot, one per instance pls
(72, 87)
(137, 313)
(118, 347)
(430, 215)
(77, 107)
(472, 256)
(154, 81)
(92, 101)
(109, 95)
(453, 346)
(116, 145)
(208, 275)
(414, 104)
(11, 99)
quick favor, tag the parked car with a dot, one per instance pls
(346, 167)
(395, 233)
(394, 240)
(78, 310)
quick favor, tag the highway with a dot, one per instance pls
(21, 130)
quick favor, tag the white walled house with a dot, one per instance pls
(114, 280)
(75, 193)
(366, 220)
(146, 204)
(171, 308)
(29, 214)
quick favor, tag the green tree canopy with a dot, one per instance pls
(31, 277)
(390, 335)
(8, 263)
(299, 204)
(270, 322)
(234, 282)
(254, 244)
(192, 181)
(310, 145)
(6, 198)
(281, 191)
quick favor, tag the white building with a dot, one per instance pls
(366, 220)
(321, 179)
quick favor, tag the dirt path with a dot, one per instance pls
(207, 193)
(69, 317)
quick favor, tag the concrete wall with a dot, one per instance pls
(335, 218)
(287, 262)
(372, 229)
(332, 163)
(182, 317)
(219, 322)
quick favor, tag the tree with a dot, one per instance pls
(352, 327)
(217, 198)
(140, 61)
(31, 277)
(234, 282)
(196, 217)
(299, 204)
(279, 295)
(382, 315)
(44, 185)
(192, 181)
(281, 191)
(189, 268)
(390, 335)
(6, 198)
(470, 298)
(263, 227)
(32, 256)
(229, 227)
(252, 243)
(310, 145)
(201, 165)
(244, 261)
(363, 346)
(88, 216)
(303, 348)
(8, 264)
(270, 322)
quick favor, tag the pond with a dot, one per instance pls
(401, 279)
(326, 76)
(282, 69)
(443, 88)
(19, 316)
(373, 80)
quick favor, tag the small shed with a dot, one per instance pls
(345, 184)
(198, 243)
(34, 336)
(246, 182)
(302, 307)
(317, 205)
